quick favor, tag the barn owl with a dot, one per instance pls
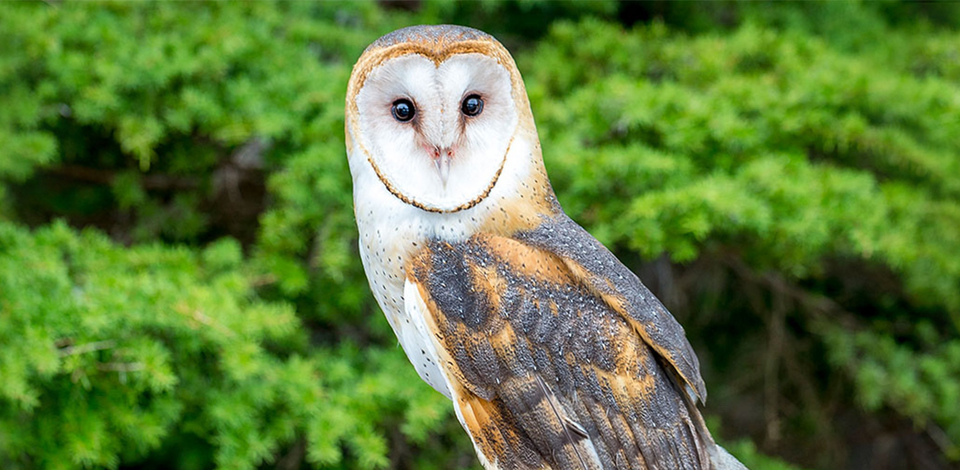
(553, 353)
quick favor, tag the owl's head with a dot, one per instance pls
(438, 113)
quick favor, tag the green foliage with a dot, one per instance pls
(107, 348)
(127, 89)
(110, 352)
(746, 451)
(788, 152)
(920, 384)
(798, 164)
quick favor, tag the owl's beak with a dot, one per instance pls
(441, 160)
(443, 167)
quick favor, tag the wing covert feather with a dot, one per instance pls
(546, 372)
(620, 288)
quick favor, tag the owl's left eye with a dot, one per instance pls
(403, 110)
(472, 105)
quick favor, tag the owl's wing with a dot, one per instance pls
(553, 364)
(598, 268)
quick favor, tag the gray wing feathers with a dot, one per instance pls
(564, 237)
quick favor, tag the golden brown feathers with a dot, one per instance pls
(550, 374)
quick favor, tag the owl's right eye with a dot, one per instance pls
(403, 110)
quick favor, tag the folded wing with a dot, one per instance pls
(554, 362)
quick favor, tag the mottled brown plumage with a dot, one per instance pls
(554, 354)
(558, 372)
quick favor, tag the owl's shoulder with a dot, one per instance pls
(479, 276)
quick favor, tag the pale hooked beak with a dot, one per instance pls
(441, 160)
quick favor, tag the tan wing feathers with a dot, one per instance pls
(500, 444)
(593, 264)
(573, 432)
(494, 439)
(546, 367)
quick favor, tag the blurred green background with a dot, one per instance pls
(180, 286)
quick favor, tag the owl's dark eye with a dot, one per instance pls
(472, 105)
(403, 110)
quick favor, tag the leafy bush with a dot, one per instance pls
(787, 183)
(112, 353)
(800, 167)
(153, 130)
